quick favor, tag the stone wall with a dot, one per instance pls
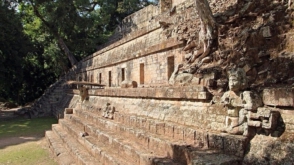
(186, 113)
(155, 69)
(149, 44)
(146, 45)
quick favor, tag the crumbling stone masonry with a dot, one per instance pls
(153, 96)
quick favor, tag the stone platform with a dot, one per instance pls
(174, 110)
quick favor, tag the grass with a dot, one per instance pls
(25, 152)
(25, 127)
(29, 153)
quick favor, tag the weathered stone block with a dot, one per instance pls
(278, 97)
(152, 127)
(169, 130)
(235, 145)
(143, 92)
(189, 95)
(157, 145)
(201, 139)
(133, 121)
(203, 95)
(78, 106)
(142, 138)
(127, 120)
(142, 122)
(115, 144)
(189, 135)
(266, 31)
(178, 133)
(189, 119)
(118, 117)
(218, 125)
(150, 92)
(160, 128)
(290, 127)
(68, 111)
(288, 118)
(102, 137)
(215, 141)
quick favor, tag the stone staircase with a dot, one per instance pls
(44, 106)
(83, 136)
(54, 99)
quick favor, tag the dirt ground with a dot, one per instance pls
(4, 142)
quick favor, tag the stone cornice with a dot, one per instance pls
(186, 92)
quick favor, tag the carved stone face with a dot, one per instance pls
(235, 83)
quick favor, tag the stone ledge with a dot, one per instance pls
(278, 97)
(188, 92)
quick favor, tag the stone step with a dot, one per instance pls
(144, 129)
(57, 148)
(169, 129)
(212, 158)
(124, 150)
(191, 135)
(128, 148)
(184, 154)
(155, 143)
(74, 147)
(151, 142)
(158, 144)
(99, 149)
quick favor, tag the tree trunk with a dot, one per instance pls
(68, 53)
(208, 33)
(61, 43)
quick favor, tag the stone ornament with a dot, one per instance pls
(181, 78)
(264, 119)
(83, 93)
(108, 111)
(240, 104)
(129, 84)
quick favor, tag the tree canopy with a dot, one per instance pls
(41, 39)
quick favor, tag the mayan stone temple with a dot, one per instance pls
(170, 88)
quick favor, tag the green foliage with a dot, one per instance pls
(23, 76)
(127, 7)
(31, 54)
(13, 48)
(79, 23)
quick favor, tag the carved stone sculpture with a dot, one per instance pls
(181, 78)
(239, 103)
(129, 84)
(265, 118)
(83, 93)
(108, 111)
